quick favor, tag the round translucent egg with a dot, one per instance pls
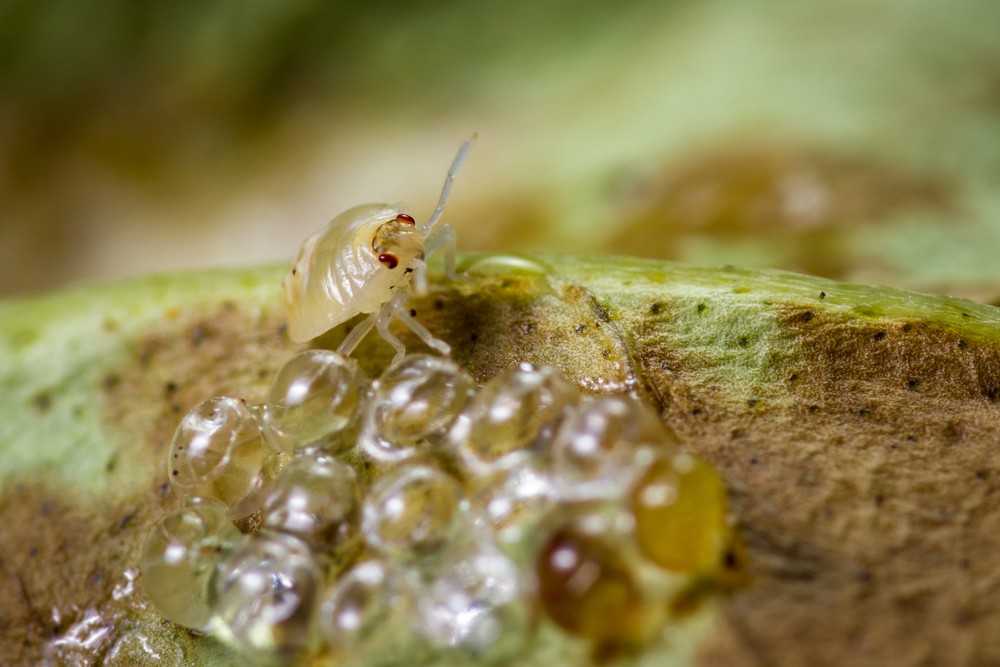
(315, 397)
(604, 444)
(315, 497)
(413, 404)
(474, 603)
(179, 556)
(218, 452)
(411, 511)
(512, 414)
(264, 594)
(587, 589)
(513, 503)
(357, 606)
(680, 511)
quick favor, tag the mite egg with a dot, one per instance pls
(315, 498)
(357, 607)
(588, 590)
(411, 511)
(314, 398)
(218, 452)
(604, 444)
(179, 556)
(264, 594)
(413, 404)
(680, 513)
(512, 503)
(474, 603)
(515, 412)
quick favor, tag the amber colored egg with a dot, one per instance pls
(680, 513)
(588, 590)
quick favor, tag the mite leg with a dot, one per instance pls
(443, 238)
(419, 267)
(356, 335)
(382, 319)
(420, 330)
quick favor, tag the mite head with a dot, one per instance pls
(398, 242)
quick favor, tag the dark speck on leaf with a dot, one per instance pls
(982, 474)
(879, 335)
(656, 308)
(822, 295)
(806, 316)
(907, 327)
(170, 388)
(111, 380)
(962, 344)
(438, 304)
(580, 328)
(413, 312)
(198, 334)
(702, 308)
(42, 402)
(743, 341)
(912, 384)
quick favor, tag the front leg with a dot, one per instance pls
(443, 238)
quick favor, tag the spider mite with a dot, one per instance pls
(369, 260)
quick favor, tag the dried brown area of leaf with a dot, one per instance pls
(866, 484)
(807, 196)
(57, 560)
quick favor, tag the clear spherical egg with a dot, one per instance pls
(264, 594)
(315, 397)
(411, 511)
(179, 556)
(357, 606)
(315, 497)
(514, 502)
(475, 602)
(413, 403)
(515, 412)
(604, 443)
(218, 452)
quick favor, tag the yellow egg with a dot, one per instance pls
(680, 512)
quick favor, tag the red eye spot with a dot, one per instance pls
(389, 260)
(408, 219)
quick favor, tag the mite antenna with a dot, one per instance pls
(456, 164)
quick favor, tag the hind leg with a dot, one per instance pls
(420, 330)
(382, 320)
(357, 334)
(443, 239)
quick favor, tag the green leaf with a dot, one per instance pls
(855, 427)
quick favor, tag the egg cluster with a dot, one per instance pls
(421, 510)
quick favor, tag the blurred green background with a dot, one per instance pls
(849, 138)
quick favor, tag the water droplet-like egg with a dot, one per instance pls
(474, 603)
(264, 593)
(680, 513)
(513, 413)
(315, 497)
(179, 556)
(314, 398)
(357, 606)
(413, 404)
(604, 444)
(411, 511)
(218, 452)
(587, 589)
(514, 502)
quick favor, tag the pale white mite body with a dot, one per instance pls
(368, 260)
